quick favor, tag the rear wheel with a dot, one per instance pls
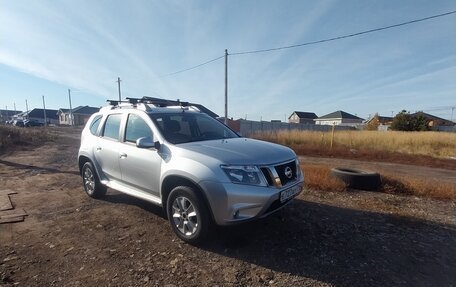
(92, 184)
(188, 214)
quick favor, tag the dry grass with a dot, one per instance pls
(436, 144)
(421, 148)
(419, 187)
(11, 137)
(318, 177)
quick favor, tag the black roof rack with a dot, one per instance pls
(158, 102)
(116, 102)
(163, 103)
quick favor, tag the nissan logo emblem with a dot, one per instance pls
(288, 172)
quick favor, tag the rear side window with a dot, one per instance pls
(136, 128)
(94, 125)
(112, 125)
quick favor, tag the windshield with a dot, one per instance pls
(190, 127)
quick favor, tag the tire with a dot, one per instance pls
(357, 179)
(188, 214)
(90, 181)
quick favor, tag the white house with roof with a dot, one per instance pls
(77, 117)
(339, 118)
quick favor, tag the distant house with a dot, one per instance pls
(433, 121)
(64, 116)
(339, 118)
(381, 119)
(383, 123)
(38, 115)
(6, 115)
(302, 118)
(80, 115)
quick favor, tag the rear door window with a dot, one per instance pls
(112, 125)
(94, 125)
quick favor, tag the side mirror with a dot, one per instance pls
(147, 142)
(157, 145)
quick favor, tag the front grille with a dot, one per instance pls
(267, 175)
(284, 174)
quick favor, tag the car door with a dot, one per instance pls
(107, 147)
(140, 167)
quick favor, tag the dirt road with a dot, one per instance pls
(322, 239)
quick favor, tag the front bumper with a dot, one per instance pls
(234, 203)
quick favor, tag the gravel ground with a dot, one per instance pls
(322, 239)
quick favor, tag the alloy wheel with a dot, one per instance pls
(89, 181)
(185, 216)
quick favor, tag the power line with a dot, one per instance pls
(314, 42)
(194, 67)
(345, 36)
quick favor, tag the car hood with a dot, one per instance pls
(240, 151)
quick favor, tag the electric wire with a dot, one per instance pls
(345, 36)
(314, 42)
(194, 67)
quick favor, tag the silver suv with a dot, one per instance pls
(173, 155)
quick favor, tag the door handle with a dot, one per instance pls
(123, 155)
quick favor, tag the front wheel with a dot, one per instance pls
(92, 184)
(188, 214)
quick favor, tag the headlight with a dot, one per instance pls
(298, 168)
(245, 174)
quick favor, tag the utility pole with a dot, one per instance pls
(71, 109)
(226, 86)
(14, 107)
(44, 111)
(118, 84)
(452, 110)
(26, 108)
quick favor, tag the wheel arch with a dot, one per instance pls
(172, 181)
(81, 161)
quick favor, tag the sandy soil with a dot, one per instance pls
(322, 239)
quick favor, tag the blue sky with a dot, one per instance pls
(47, 47)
